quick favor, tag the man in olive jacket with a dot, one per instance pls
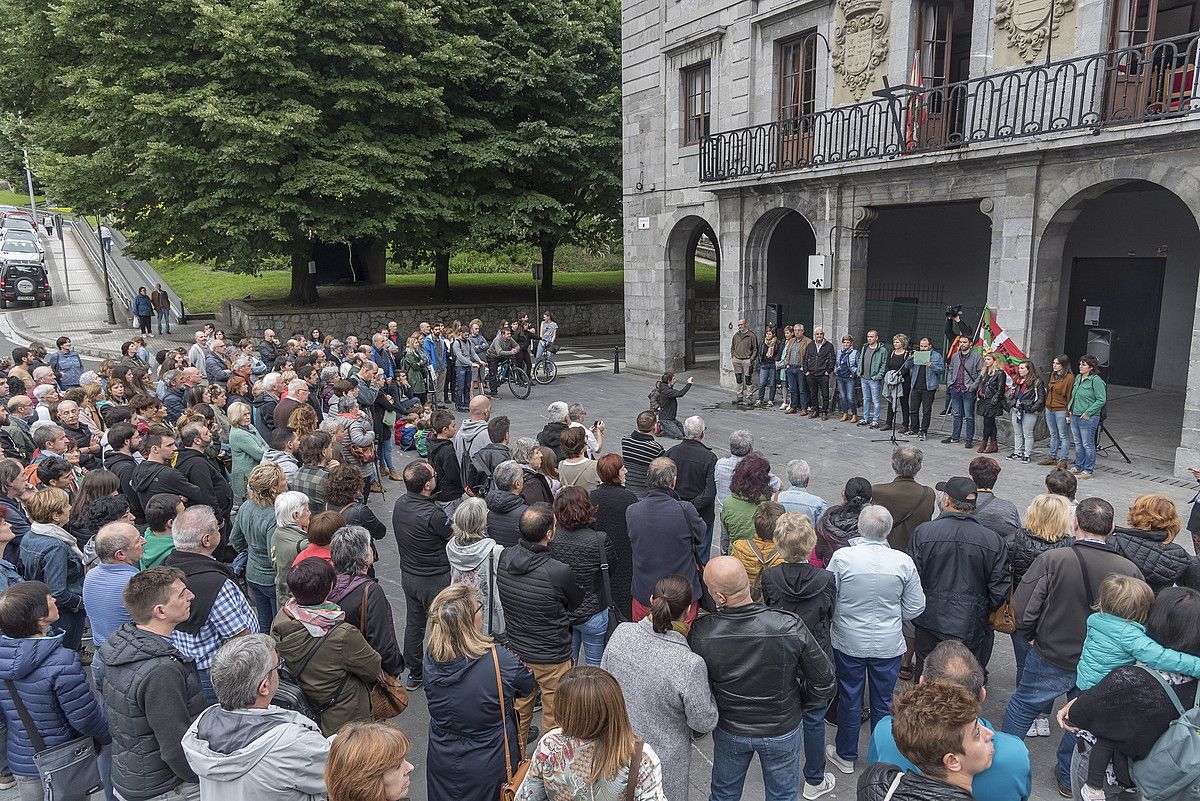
(151, 691)
(766, 668)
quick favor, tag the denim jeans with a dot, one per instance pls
(671, 429)
(854, 674)
(766, 377)
(164, 320)
(1023, 433)
(462, 390)
(385, 454)
(1021, 649)
(1041, 683)
(1084, 434)
(846, 391)
(963, 404)
(1060, 435)
(206, 688)
(814, 745)
(263, 597)
(589, 636)
(778, 756)
(541, 348)
(797, 393)
(872, 403)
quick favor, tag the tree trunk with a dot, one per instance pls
(304, 284)
(548, 248)
(441, 275)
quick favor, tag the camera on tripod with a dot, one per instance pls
(953, 311)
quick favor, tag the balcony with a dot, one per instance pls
(1142, 83)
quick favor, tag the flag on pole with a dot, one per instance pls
(915, 117)
(990, 337)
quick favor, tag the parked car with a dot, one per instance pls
(22, 282)
(26, 236)
(22, 214)
(13, 250)
(17, 224)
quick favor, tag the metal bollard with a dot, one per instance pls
(616, 359)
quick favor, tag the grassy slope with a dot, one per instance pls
(203, 290)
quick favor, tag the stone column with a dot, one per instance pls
(856, 273)
(743, 289)
(1012, 292)
(1188, 453)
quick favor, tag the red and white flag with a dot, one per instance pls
(990, 337)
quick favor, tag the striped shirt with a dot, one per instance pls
(639, 450)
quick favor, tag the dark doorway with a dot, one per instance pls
(792, 242)
(701, 277)
(1122, 295)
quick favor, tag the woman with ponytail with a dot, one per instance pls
(664, 683)
(465, 761)
(839, 524)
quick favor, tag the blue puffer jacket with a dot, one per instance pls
(1113, 642)
(53, 687)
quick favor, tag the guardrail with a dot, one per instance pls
(118, 286)
(144, 274)
(1143, 83)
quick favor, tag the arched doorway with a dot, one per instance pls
(777, 252)
(693, 275)
(1117, 277)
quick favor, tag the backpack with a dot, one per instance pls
(289, 695)
(479, 476)
(421, 440)
(1171, 771)
(655, 401)
(763, 564)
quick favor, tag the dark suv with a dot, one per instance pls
(25, 283)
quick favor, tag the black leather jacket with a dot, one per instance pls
(765, 668)
(876, 781)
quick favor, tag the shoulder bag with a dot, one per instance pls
(290, 695)
(1004, 619)
(68, 772)
(388, 696)
(514, 778)
(615, 618)
(635, 765)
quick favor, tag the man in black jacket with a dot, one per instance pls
(765, 668)
(537, 592)
(696, 482)
(936, 718)
(962, 565)
(422, 531)
(818, 362)
(559, 421)
(155, 474)
(505, 504)
(196, 466)
(151, 692)
(124, 439)
(665, 534)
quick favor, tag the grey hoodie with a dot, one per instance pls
(469, 564)
(470, 439)
(270, 754)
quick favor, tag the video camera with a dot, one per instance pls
(953, 311)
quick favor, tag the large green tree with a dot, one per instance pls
(237, 130)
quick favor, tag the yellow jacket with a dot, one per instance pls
(754, 566)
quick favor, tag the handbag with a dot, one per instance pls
(1004, 619)
(615, 618)
(514, 778)
(363, 453)
(69, 771)
(388, 696)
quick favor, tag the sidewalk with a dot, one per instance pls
(81, 314)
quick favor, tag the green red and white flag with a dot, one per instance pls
(991, 338)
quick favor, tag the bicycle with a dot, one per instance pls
(544, 370)
(517, 379)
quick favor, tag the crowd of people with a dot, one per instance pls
(976, 382)
(190, 600)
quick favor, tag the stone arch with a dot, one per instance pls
(779, 233)
(680, 259)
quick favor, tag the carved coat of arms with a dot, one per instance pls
(860, 44)
(1030, 24)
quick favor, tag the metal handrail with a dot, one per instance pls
(118, 285)
(1153, 81)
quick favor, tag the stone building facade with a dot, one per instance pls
(1037, 156)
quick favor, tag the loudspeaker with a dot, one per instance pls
(775, 317)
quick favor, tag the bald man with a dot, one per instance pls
(472, 436)
(119, 547)
(770, 678)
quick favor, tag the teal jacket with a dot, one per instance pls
(1113, 642)
(1089, 395)
(878, 366)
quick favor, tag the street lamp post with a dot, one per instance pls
(29, 183)
(108, 299)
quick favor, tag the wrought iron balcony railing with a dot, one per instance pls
(1154, 81)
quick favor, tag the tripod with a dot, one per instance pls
(1112, 443)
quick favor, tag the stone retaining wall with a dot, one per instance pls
(579, 318)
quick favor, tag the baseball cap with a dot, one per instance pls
(959, 488)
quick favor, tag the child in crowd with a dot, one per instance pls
(1116, 636)
(161, 512)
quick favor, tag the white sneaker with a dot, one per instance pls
(1089, 793)
(815, 791)
(839, 763)
(1033, 732)
(1043, 727)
